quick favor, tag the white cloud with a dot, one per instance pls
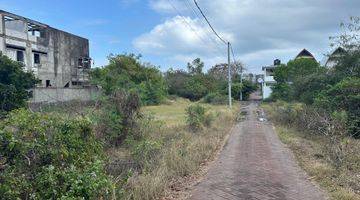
(260, 31)
(178, 35)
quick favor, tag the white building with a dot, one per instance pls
(269, 81)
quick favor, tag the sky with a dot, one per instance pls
(170, 33)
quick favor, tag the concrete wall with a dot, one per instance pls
(53, 95)
(266, 90)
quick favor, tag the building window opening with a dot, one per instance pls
(20, 56)
(80, 63)
(36, 58)
(269, 72)
(36, 30)
(48, 83)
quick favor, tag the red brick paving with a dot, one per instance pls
(255, 165)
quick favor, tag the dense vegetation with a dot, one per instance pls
(14, 83)
(194, 84)
(334, 90)
(317, 111)
(72, 152)
(127, 72)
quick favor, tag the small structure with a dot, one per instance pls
(59, 59)
(268, 81)
(333, 57)
(305, 54)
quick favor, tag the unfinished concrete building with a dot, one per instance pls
(59, 59)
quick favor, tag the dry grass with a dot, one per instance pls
(342, 183)
(173, 113)
(183, 152)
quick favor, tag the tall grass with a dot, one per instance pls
(321, 146)
(182, 152)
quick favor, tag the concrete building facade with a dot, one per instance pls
(59, 59)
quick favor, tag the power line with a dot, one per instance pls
(209, 22)
(186, 22)
(191, 8)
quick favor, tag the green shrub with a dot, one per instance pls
(14, 84)
(197, 118)
(117, 118)
(344, 96)
(50, 157)
(127, 72)
(215, 98)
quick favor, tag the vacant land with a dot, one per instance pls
(173, 112)
(182, 151)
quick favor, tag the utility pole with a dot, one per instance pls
(229, 76)
(241, 72)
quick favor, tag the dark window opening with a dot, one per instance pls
(48, 83)
(20, 56)
(76, 83)
(80, 62)
(269, 72)
(84, 63)
(36, 58)
(67, 85)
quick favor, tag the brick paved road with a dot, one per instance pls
(254, 164)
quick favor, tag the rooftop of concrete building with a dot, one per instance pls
(34, 23)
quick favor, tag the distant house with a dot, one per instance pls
(333, 57)
(269, 81)
(305, 54)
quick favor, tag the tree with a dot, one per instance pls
(195, 67)
(14, 84)
(293, 78)
(220, 71)
(127, 72)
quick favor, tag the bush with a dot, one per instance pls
(197, 117)
(14, 83)
(215, 98)
(118, 117)
(344, 96)
(127, 72)
(50, 157)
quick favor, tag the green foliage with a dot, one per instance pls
(246, 87)
(126, 72)
(344, 96)
(50, 157)
(215, 98)
(117, 117)
(14, 83)
(197, 117)
(193, 84)
(146, 152)
(293, 77)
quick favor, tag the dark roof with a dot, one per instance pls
(305, 54)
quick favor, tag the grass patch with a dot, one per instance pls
(174, 112)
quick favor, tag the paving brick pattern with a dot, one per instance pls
(255, 165)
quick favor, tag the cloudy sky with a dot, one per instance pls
(170, 33)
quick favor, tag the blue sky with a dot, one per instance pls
(260, 30)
